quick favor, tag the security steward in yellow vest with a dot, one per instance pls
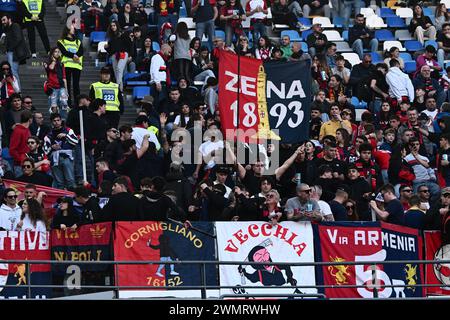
(110, 92)
(33, 12)
(72, 59)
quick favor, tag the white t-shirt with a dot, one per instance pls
(325, 209)
(207, 147)
(138, 136)
(27, 225)
(178, 120)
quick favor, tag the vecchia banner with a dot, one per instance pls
(163, 241)
(273, 95)
(290, 242)
(438, 273)
(347, 241)
(24, 245)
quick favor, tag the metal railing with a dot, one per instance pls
(375, 285)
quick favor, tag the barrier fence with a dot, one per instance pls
(375, 284)
(226, 260)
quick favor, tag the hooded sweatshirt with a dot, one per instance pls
(9, 218)
(18, 143)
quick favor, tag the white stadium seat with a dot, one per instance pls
(389, 44)
(404, 12)
(375, 22)
(333, 35)
(352, 58)
(324, 21)
(367, 12)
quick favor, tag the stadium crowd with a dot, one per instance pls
(390, 162)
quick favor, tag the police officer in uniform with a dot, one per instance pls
(110, 92)
(72, 59)
(33, 12)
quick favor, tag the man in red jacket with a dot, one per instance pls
(18, 143)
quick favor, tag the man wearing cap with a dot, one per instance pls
(359, 191)
(111, 93)
(221, 177)
(393, 209)
(301, 207)
(160, 76)
(316, 40)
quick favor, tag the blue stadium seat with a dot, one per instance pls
(376, 58)
(97, 36)
(304, 46)
(410, 66)
(219, 34)
(413, 45)
(427, 12)
(306, 33)
(183, 12)
(155, 46)
(292, 34)
(140, 92)
(339, 22)
(358, 104)
(406, 56)
(305, 21)
(387, 12)
(432, 43)
(395, 22)
(384, 35)
(345, 35)
(128, 79)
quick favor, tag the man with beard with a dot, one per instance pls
(267, 275)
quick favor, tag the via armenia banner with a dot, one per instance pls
(290, 242)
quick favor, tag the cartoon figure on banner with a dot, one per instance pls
(270, 275)
(20, 273)
(442, 270)
(166, 254)
(341, 273)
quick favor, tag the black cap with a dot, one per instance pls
(223, 169)
(105, 70)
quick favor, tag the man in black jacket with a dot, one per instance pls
(360, 76)
(156, 206)
(73, 122)
(362, 37)
(16, 49)
(122, 206)
(38, 128)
